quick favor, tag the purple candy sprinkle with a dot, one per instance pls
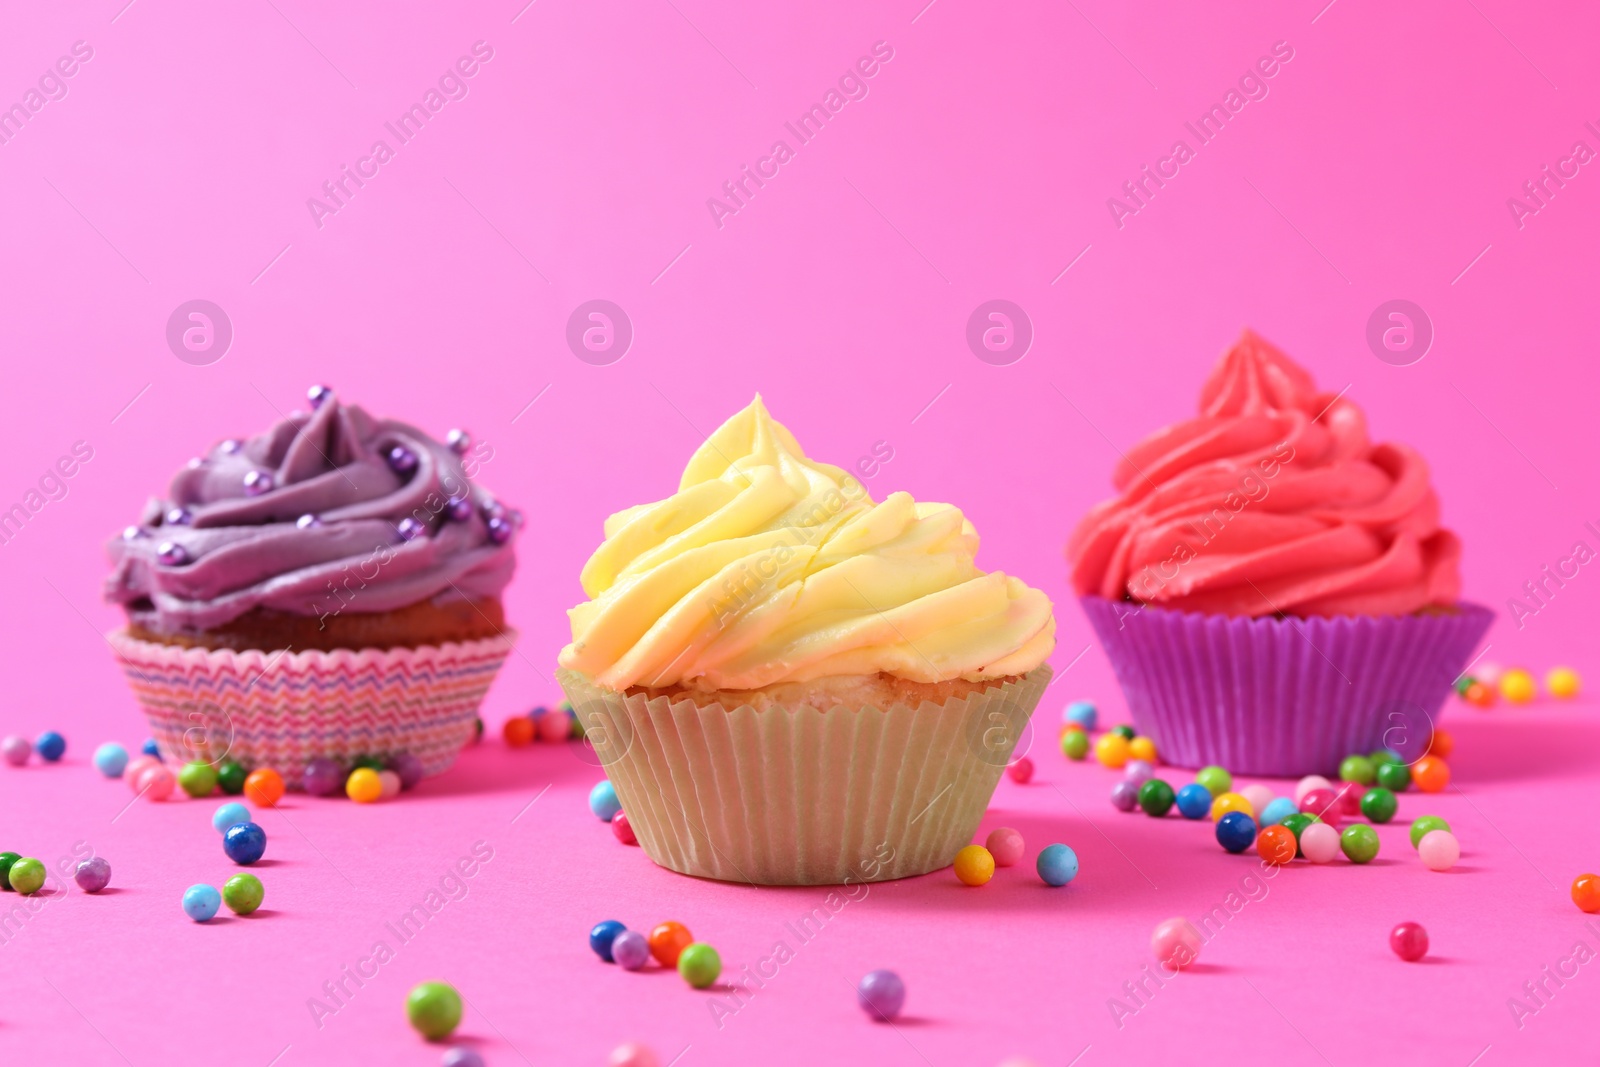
(93, 874)
(133, 533)
(408, 767)
(459, 509)
(317, 394)
(410, 529)
(257, 482)
(1125, 795)
(324, 777)
(458, 440)
(172, 554)
(499, 530)
(401, 459)
(881, 995)
(307, 521)
(231, 445)
(178, 517)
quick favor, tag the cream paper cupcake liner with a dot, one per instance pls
(797, 796)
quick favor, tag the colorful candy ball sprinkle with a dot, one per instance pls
(1142, 748)
(243, 893)
(16, 749)
(1277, 845)
(630, 950)
(603, 801)
(410, 770)
(200, 902)
(150, 748)
(667, 942)
(632, 1054)
(1518, 686)
(1586, 892)
(1319, 842)
(1075, 744)
(1156, 797)
(601, 935)
(1430, 774)
(881, 995)
(264, 787)
(1299, 821)
(1216, 780)
(137, 766)
(323, 777)
(1005, 845)
(230, 814)
(364, 786)
(93, 874)
(1325, 804)
(197, 779)
(1057, 864)
(26, 875)
(622, 829)
(434, 1009)
(974, 865)
(1423, 825)
(111, 759)
(1082, 712)
(461, 1056)
(1194, 801)
(554, 729)
(1439, 850)
(245, 843)
(1021, 771)
(1379, 805)
(1125, 795)
(1259, 797)
(1176, 943)
(1562, 683)
(1236, 830)
(1138, 771)
(1359, 842)
(1395, 777)
(231, 777)
(1409, 941)
(388, 784)
(1230, 802)
(50, 746)
(699, 964)
(1124, 731)
(156, 783)
(518, 731)
(7, 861)
(1307, 784)
(1111, 750)
(1277, 810)
(1356, 769)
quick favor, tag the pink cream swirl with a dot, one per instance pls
(1272, 501)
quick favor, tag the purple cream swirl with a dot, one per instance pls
(324, 513)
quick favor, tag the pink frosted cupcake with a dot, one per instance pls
(1275, 591)
(789, 683)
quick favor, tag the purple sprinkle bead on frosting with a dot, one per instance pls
(318, 394)
(172, 554)
(401, 459)
(410, 529)
(307, 522)
(178, 517)
(499, 530)
(257, 482)
(133, 533)
(230, 446)
(458, 440)
(459, 509)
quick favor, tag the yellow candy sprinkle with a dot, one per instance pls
(1518, 686)
(1111, 750)
(974, 865)
(1230, 802)
(1563, 682)
(1142, 747)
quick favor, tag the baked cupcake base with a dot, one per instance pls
(1284, 697)
(283, 709)
(786, 794)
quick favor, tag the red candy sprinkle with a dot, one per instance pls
(1409, 941)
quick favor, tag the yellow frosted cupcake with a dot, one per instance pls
(790, 684)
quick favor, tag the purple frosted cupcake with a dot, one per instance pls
(1274, 591)
(328, 589)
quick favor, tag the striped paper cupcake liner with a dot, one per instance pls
(1284, 697)
(797, 796)
(284, 709)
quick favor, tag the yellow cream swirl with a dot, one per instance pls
(768, 567)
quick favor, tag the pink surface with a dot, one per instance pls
(178, 165)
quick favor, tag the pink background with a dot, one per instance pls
(978, 166)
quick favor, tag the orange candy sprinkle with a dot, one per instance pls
(1479, 695)
(1442, 744)
(668, 940)
(264, 787)
(1430, 774)
(1276, 845)
(518, 731)
(1586, 892)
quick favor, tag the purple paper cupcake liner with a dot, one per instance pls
(1284, 697)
